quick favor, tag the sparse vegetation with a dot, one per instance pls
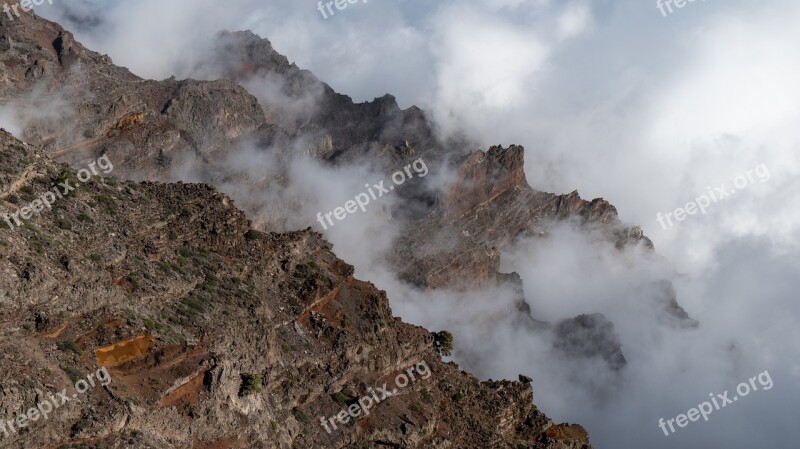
(427, 397)
(251, 384)
(253, 235)
(71, 372)
(340, 398)
(134, 280)
(443, 342)
(64, 224)
(68, 345)
(299, 415)
(107, 203)
(154, 325)
(82, 425)
(69, 177)
(194, 306)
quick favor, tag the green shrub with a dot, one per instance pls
(299, 415)
(443, 342)
(64, 224)
(166, 266)
(134, 280)
(427, 397)
(82, 425)
(194, 305)
(253, 235)
(68, 345)
(251, 384)
(71, 372)
(154, 325)
(340, 398)
(107, 203)
(211, 280)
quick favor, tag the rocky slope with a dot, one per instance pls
(215, 335)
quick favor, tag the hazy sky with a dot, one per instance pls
(610, 98)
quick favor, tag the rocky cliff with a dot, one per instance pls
(215, 335)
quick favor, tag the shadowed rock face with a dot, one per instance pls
(588, 336)
(299, 102)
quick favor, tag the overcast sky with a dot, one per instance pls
(610, 98)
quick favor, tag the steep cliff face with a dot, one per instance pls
(485, 209)
(214, 334)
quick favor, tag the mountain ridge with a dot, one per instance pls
(151, 128)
